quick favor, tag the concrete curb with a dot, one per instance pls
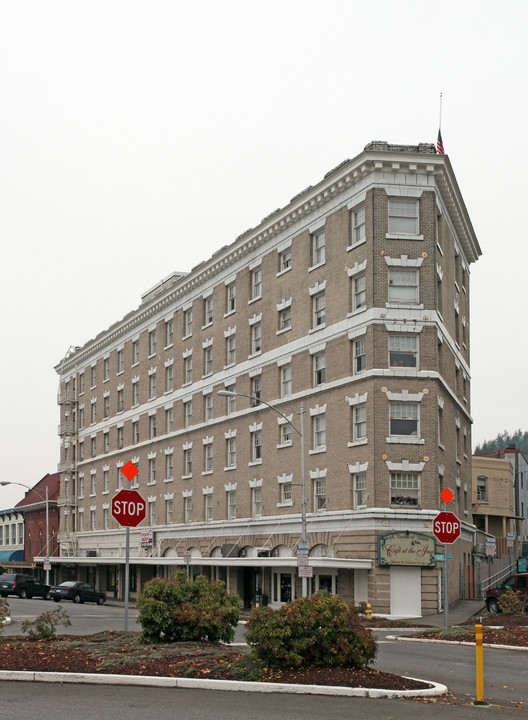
(457, 642)
(229, 685)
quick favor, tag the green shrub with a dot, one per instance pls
(44, 627)
(512, 602)
(4, 613)
(187, 610)
(247, 667)
(321, 631)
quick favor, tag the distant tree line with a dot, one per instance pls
(503, 439)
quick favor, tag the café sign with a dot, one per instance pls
(406, 548)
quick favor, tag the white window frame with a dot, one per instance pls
(358, 292)
(256, 338)
(401, 412)
(359, 484)
(208, 311)
(231, 350)
(187, 370)
(187, 322)
(404, 217)
(152, 342)
(319, 494)
(285, 260)
(319, 368)
(231, 454)
(319, 432)
(256, 502)
(318, 248)
(286, 380)
(187, 414)
(404, 286)
(208, 360)
(231, 504)
(256, 283)
(357, 226)
(406, 346)
(230, 298)
(319, 310)
(256, 446)
(359, 349)
(405, 489)
(169, 333)
(208, 458)
(359, 421)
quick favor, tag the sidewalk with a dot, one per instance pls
(459, 613)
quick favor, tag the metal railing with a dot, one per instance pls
(497, 577)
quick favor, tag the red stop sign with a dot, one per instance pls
(129, 508)
(446, 527)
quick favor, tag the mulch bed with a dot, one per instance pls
(496, 630)
(120, 653)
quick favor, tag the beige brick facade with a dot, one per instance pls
(362, 318)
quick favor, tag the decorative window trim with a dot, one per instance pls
(404, 261)
(229, 487)
(398, 328)
(106, 468)
(255, 483)
(317, 288)
(187, 446)
(318, 410)
(440, 402)
(457, 422)
(405, 466)
(255, 427)
(187, 493)
(121, 386)
(255, 319)
(285, 303)
(255, 264)
(283, 421)
(357, 399)
(106, 393)
(441, 470)
(152, 455)
(230, 331)
(357, 467)
(168, 496)
(169, 362)
(439, 271)
(357, 268)
(230, 434)
(315, 349)
(284, 361)
(207, 343)
(317, 225)
(208, 440)
(317, 474)
(169, 451)
(284, 478)
(208, 490)
(187, 353)
(404, 396)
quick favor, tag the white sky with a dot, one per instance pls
(139, 137)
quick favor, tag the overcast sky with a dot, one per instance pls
(139, 137)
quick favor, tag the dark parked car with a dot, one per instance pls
(78, 592)
(24, 586)
(518, 583)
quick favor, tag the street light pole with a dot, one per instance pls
(46, 500)
(229, 393)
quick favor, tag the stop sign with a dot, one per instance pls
(446, 527)
(129, 508)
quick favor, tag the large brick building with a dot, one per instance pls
(351, 302)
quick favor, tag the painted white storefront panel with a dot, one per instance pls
(406, 591)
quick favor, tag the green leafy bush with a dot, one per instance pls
(247, 667)
(44, 627)
(185, 610)
(321, 630)
(4, 613)
(512, 602)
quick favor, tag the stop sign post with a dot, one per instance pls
(129, 509)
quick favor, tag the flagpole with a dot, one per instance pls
(440, 118)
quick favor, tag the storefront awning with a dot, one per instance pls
(11, 556)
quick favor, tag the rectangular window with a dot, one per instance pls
(94, 376)
(404, 419)
(360, 489)
(93, 484)
(318, 310)
(231, 453)
(81, 383)
(360, 355)
(135, 431)
(256, 501)
(208, 360)
(256, 338)
(403, 217)
(106, 481)
(169, 466)
(135, 352)
(208, 457)
(208, 507)
(256, 283)
(357, 226)
(359, 294)
(152, 513)
(187, 462)
(152, 470)
(120, 401)
(94, 413)
(169, 420)
(319, 368)
(231, 350)
(403, 351)
(286, 492)
(319, 432)
(256, 390)
(256, 446)
(360, 422)
(106, 407)
(482, 489)
(94, 447)
(286, 380)
(152, 343)
(208, 407)
(93, 525)
(120, 438)
(320, 494)
(81, 418)
(169, 333)
(187, 509)
(106, 442)
(403, 285)
(106, 518)
(120, 361)
(285, 319)
(231, 504)
(208, 310)
(285, 434)
(106, 368)
(152, 386)
(152, 426)
(187, 370)
(318, 248)
(230, 298)
(187, 413)
(404, 488)
(187, 322)
(230, 401)
(169, 511)
(285, 260)
(169, 378)
(81, 487)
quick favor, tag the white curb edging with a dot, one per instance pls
(229, 685)
(401, 638)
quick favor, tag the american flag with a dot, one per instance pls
(439, 144)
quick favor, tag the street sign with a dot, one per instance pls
(129, 508)
(187, 556)
(305, 571)
(441, 558)
(302, 549)
(446, 527)
(303, 560)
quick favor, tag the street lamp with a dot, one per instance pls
(229, 393)
(12, 482)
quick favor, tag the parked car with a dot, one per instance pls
(77, 592)
(518, 582)
(24, 586)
